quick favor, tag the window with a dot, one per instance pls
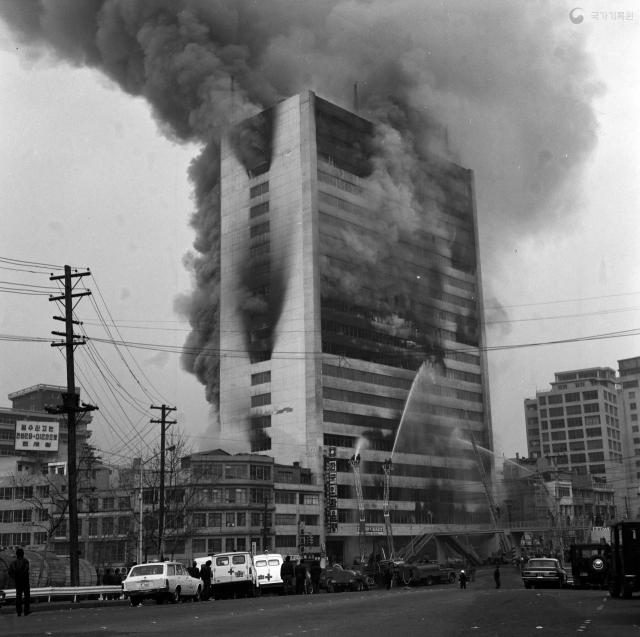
(561, 387)
(285, 497)
(199, 520)
(555, 399)
(61, 528)
(124, 504)
(559, 449)
(199, 546)
(572, 398)
(285, 519)
(557, 424)
(574, 422)
(597, 456)
(309, 498)
(260, 400)
(258, 495)
(261, 378)
(544, 425)
(578, 457)
(93, 527)
(578, 445)
(595, 444)
(257, 211)
(108, 504)
(590, 395)
(310, 520)
(260, 422)
(591, 420)
(235, 471)
(230, 544)
(597, 468)
(573, 409)
(232, 496)
(284, 476)
(262, 228)
(545, 437)
(40, 537)
(594, 432)
(241, 545)
(230, 519)
(215, 518)
(542, 400)
(261, 445)
(532, 421)
(260, 189)
(632, 406)
(107, 526)
(634, 417)
(591, 408)
(124, 526)
(286, 541)
(333, 440)
(256, 518)
(260, 472)
(558, 435)
(533, 432)
(632, 394)
(556, 411)
(214, 545)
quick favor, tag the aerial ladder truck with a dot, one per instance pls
(355, 465)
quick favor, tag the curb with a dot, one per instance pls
(41, 607)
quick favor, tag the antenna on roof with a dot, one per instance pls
(356, 107)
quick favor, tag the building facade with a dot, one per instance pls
(338, 293)
(629, 398)
(579, 422)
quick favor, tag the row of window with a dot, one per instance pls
(349, 442)
(556, 399)
(233, 471)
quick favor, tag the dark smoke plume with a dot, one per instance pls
(511, 81)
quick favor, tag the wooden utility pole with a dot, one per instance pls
(164, 423)
(71, 407)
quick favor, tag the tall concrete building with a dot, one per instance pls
(578, 421)
(337, 284)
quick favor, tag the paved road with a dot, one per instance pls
(445, 611)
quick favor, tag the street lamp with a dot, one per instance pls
(139, 460)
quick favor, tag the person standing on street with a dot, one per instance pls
(205, 576)
(301, 574)
(286, 575)
(315, 571)
(496, 576)
(388, 576)
(19, 572)
(463, 579)
(193, 570)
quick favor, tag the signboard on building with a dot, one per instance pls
(331, 492)
(34, 435)
(374, 530)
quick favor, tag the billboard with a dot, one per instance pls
(34, 435)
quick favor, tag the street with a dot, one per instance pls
(443, 610)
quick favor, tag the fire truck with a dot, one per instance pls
(624, 567)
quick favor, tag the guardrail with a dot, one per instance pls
(68, 591)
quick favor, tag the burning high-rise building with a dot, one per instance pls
(345, 269)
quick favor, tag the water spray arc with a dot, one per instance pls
(355, 465)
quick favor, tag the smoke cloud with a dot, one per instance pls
(512, 83)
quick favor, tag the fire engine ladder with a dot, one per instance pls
(552, 505)
(387, 467)
(505, 545)
(355, 465)
(416, 548)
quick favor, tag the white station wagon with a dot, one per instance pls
(161, 581)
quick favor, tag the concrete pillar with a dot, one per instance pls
(440, 544)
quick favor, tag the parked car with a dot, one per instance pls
(545, 570)
(161, 581)
(623, 577)
(335, 578)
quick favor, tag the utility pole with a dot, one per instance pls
(164, 423)
(70, 407)
(265, 528)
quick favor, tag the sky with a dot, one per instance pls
(90, 179)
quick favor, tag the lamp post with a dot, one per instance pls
(140, 523)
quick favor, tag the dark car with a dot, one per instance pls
(589, 564)
(335, 578)
(544, 570)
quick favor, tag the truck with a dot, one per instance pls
(233, 575)
(623, 575)
(589, 564)
(426, 573)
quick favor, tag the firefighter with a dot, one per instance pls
(463, 579)
(496, 576)
(388, 576)
(286, 574)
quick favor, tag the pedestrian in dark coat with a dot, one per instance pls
(193, 570)
(496, 576)
(388, 576)
(205, 576)
(301, 575)
(19, 572)
(287, 572)
(463, 579)
(315, 571)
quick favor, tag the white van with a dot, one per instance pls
(233, 575)
(267, 567)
